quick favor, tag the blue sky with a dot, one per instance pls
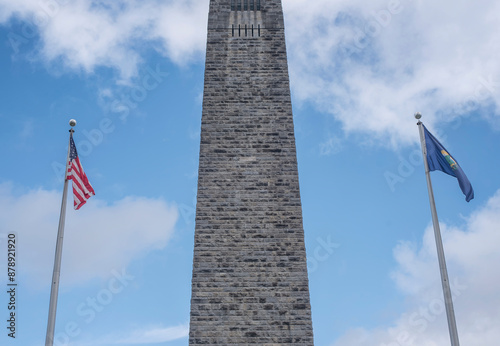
(131, 73)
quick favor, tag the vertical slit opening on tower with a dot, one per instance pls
(252, 30)
(239, 30)
(259, 30)
(246, 31)
(232, 30)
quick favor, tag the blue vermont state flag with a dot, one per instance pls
(439, 159)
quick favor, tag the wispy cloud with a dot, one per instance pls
(331, 146)
(155, 335)
(99, 238)
(28, 129)
(145, 336)
(471, 251)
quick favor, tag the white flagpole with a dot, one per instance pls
(450, 313)
(49, 340)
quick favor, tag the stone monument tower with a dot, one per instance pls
(250, 283)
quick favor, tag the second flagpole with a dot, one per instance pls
(49, 339)
(448, 300)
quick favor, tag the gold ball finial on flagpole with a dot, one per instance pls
(72, 123)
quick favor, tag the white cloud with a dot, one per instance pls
(84, 35)
(372, 65)
(99, 238)
(472, 256)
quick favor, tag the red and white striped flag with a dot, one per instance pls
(82, 190)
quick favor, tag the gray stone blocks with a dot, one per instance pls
(250, 283)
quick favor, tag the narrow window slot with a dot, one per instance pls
(232, 30)
(239, 5)
(258, 5)
(252, 5)
(252, 30)
(239, 30)
(259, 30)
(233, 7)
(246, 5)
(246, 31)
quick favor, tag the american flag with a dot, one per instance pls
(82, 190)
